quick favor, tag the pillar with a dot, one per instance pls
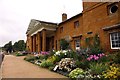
(39, 41)
(44, 40)
(31, 43)
(34, 43)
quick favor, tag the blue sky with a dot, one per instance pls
(15, 15)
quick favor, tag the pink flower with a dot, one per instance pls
(96, 58)
(103, 54)
(88, 59)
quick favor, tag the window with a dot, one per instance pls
(76, 24)
(115, 40)
(61, 29)
(77, 44)
(113, 8)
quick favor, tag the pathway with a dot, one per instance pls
(16, 67)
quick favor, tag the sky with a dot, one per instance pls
(15, 15)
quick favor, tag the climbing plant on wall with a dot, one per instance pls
(94, 44)
(64, 44)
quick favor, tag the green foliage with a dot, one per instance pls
(18, 54)
(88, 40)
(94, 44)
(98, 68)
(84, 64)
(19, 46)
(76, 72)
(113, 73)
(30, 58)
(64, 44)
(72, 54)
(8, 47)
(46, 64)
(51, 68)
(116, 57)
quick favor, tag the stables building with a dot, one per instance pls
(102, 18)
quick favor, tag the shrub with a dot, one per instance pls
(66, 64)
(46, 64)
(74, 73)
(64, 44)
(117, 57)
(112, 73)
(84, 64)
(18, 54)
(30, 58)
(51, 68)
(98, 68)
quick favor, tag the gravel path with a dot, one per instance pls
(16, 67)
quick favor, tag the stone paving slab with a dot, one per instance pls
(16, 67)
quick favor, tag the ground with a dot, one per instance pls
(16, 67)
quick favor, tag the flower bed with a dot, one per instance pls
(76, 65)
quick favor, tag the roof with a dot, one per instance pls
(80, 14)
(34, 21)
(46, 22)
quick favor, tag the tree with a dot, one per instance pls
(8, 47)
(19, 46)
(15, 46)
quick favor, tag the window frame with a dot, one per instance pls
(77, 43)
(109, 7)
(112, 40)
(61, 29)
(76, 24)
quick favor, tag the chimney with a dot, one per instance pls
(64, 16)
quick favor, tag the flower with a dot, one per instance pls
(88, 59)
(44, 53)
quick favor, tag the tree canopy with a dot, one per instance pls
(17, 46)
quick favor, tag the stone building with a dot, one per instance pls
(102, 18)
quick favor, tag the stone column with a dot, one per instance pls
(44, 40)
(31, 43)
(34, 43)
(39, 41)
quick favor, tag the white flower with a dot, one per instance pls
(64, 51)
(58, 52)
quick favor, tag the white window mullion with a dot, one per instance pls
(114, 40)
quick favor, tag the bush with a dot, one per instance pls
(30, 58)
(98, 68)
(112, 73)
(117, 57)
(84, 64)
(18, 54)
(51, 68)
(76, 72)
(64, 44)
(46, 64)
(66, 64)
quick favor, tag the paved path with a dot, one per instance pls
(16, 67)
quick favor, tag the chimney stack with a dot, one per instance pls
(64, 16)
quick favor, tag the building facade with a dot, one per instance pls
(102, 18)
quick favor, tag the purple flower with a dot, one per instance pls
(44, 53)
